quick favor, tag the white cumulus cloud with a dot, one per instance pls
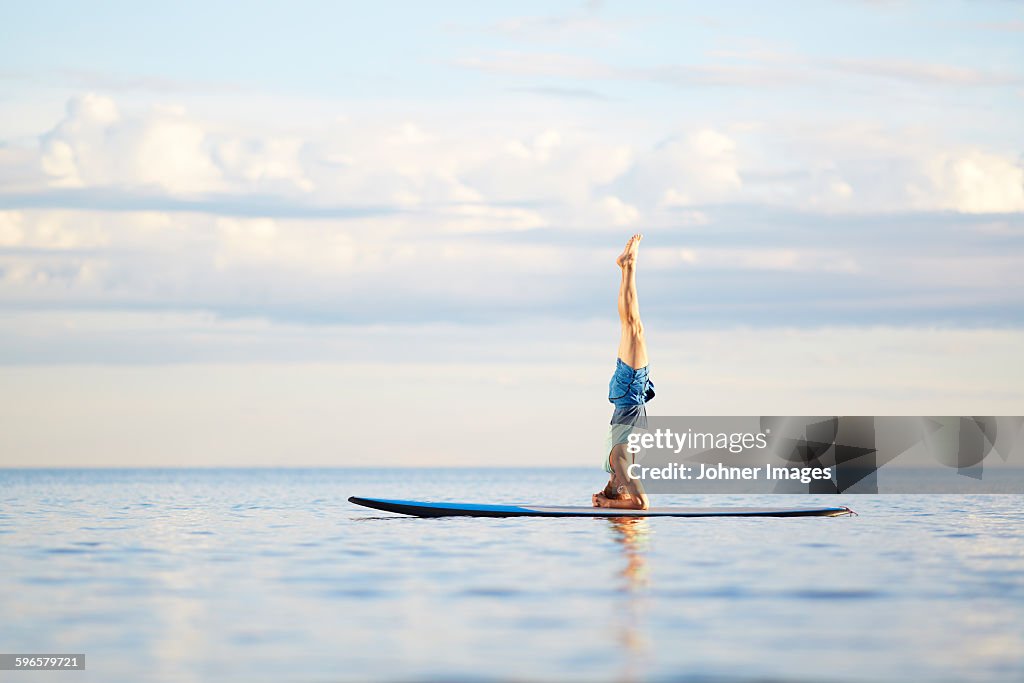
(975, 182)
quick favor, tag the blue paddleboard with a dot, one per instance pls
(423, 509)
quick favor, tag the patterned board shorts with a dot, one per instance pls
(629, 391)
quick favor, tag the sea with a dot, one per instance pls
(253, 575)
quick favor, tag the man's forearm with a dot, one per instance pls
(624, 503)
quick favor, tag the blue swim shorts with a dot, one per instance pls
(630, 387)
(628, 391)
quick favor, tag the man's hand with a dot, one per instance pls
(601, 499)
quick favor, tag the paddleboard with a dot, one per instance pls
(424, 509)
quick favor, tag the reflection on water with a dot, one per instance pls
(632, 535)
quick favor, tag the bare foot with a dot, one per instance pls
(628, 255)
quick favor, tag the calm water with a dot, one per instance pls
(271, 575)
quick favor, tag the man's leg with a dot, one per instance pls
(632, 346)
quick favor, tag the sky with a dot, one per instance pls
(350, 234)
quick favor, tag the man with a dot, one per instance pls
(629, 391)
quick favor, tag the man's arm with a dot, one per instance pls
(636, 498)
(639, 502)
(637, 494)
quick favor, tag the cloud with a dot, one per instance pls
(554, 27)
(11, 231)
(747, 69)
(1011, 25)
(120, 83)
(541, 64)
(121, 199)
(570, 93)
(274, 164)
(791, 259)
(924, 73)
(162, 159)
(740, 264)
(699, 167)
(400, 221)
(619, 213)
(974, 182)
(94, 145)
(557, 65)
(585, 22)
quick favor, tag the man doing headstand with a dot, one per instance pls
(629, 390)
